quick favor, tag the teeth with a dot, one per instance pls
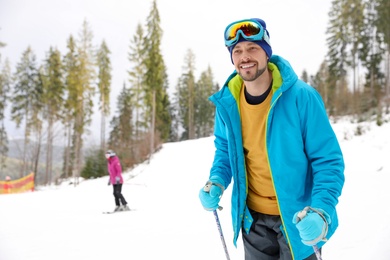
(246, 66)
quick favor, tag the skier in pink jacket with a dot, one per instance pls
(116, 179)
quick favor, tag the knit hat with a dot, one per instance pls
(110, 153)
(263, 44)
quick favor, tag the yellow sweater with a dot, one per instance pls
(261, 193)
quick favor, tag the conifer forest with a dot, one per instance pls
(52, 100)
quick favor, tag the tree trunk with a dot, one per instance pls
(152, 126)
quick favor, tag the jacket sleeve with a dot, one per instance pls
(323, 152)
(221, 165)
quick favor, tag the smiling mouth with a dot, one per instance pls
(247, 66)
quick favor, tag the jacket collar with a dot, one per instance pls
(283, 77)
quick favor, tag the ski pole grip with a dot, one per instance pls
(207, 188)
(302, 214)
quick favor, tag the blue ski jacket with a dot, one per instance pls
(304, 156)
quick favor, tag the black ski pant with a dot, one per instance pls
(118, 195)
(265, 240)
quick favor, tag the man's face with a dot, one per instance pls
(250, 60)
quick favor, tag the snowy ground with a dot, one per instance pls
(168, 221)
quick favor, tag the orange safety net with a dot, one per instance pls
(23, 184)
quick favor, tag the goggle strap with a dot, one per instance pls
(266, 38)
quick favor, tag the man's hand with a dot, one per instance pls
(211, 194)
(312, 225)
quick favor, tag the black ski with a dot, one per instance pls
(112, 212)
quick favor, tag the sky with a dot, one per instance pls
(167, 220)
(297, 32)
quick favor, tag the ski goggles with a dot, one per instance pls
(250, 30)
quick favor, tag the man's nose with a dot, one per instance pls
(245, 56)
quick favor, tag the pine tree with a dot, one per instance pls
(122, 129)
(354, 13)
(95, 165)
(104, 87)
(84, 94)
(164, 116)
(136, 80)
(372, 56)
(155, 80)
(305, 76)
(337, 53)
(191, 103)
(26, 99)
(177, 126)
(319, 82)
(204, 109)
(382, 24)
(5, 88)
(53, 98)
(188, 96)
(71, 69)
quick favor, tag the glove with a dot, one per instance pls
(117, 180)
(109, 182)
(312, 225)
(211, 193)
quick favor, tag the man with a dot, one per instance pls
(116, 179)
(273, 137)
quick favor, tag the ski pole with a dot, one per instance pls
(207, 188)
(317, 252)
(220, 233)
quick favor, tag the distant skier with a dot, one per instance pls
(115, 172)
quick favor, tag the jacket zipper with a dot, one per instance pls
(273, 184)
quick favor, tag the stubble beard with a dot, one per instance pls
(255, 76)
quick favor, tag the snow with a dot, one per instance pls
(168, 221)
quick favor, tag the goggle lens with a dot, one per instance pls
(248, 28)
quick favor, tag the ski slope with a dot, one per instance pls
(168, 221)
